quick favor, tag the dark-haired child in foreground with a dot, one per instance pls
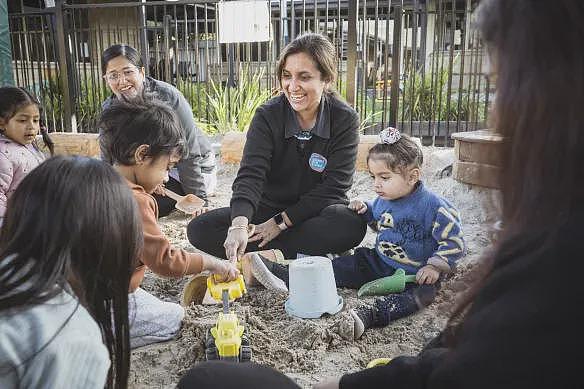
(66, 257)
(145, 141)
(417, 231)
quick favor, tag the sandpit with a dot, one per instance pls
(310, 350)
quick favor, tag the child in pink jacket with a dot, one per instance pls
(19, 126)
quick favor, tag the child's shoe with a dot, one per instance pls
(384, 310)
(356, 321)
(257, 267)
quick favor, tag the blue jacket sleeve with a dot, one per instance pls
(447, 232)
(368, 215)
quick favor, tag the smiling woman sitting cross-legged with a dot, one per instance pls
(297, 165)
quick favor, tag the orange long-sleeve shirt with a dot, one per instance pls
(158, 254)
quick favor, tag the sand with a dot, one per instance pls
(311, 350)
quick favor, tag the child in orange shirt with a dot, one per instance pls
(145, 141)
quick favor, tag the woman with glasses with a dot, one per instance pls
(297, 165)
(124, 74)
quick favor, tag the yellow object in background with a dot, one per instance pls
(378, 362)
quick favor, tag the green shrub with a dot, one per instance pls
(425, 98)
(51, 99)
(232, 109)
(196, 95)
(87, 109)
(89, 105)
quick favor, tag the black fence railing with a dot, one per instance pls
(415, 64)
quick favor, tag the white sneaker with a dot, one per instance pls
(264, 276)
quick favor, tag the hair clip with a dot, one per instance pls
(389, 135)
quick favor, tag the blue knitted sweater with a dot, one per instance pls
(415, 228)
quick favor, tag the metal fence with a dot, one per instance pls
(415, 64)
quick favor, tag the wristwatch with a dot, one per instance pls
(279, 219)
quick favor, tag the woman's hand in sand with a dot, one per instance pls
(265, 232)
(427, 275)
(358, 206)
(330, 383)
(237, 237)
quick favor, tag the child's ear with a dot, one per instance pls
(140, 154)
(414, 176)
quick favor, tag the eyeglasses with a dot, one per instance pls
(114, 77)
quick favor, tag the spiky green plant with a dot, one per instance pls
(232, 109)
(425, 97)
(87, 106)
(196, 94)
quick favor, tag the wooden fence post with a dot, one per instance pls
(352, 52)
(63, 59)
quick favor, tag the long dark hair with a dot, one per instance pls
(12, 99)
(73, 221)
(538, 110)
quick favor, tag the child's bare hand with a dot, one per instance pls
(159, 190)
(225, 270)
(427, 275)
(358, 206)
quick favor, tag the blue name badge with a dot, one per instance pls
(317, 162)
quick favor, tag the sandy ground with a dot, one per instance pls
(310, 350)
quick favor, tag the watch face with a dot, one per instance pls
(279, 219)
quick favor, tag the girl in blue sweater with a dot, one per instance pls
(417, 231)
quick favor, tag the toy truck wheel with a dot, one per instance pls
(245, 354)
(209, 340)
(211, 354)
(245, 350)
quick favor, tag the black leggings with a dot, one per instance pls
(335, 230)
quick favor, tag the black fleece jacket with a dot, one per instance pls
(524, 329)
(276, 167)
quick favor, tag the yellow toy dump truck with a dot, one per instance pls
(226, 340)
